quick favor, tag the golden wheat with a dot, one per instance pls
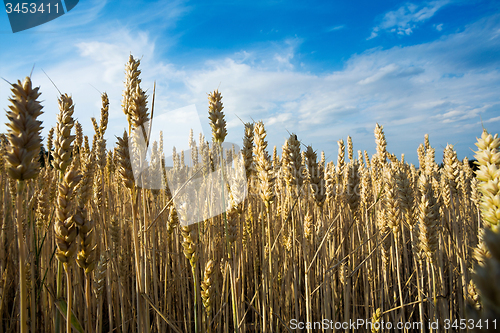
(368, 237)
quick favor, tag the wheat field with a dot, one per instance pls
(302, 244)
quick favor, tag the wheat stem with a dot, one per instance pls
(22, 261)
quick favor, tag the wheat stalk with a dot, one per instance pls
(24, 144)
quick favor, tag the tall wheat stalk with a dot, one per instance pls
(22, 150)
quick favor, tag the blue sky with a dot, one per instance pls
(324, 70)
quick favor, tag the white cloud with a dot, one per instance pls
(462, 112)
(336, 28)
(408, 17)
(492, 120)
(374, 33)
(384, 71)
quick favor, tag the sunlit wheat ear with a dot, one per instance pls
(421, 157)
(207, 292)
(377, 315)
(366, 195)
(84, 189)
(132, 73)
(405, 196)
(392, 158)
(276, 159)
(464, 179)
(451, 168)
(65, 228)
(308, 226)
(43, 209)
(481, 252)
(362, 164)
(341, 157)
(427, 145)
(428, 218)
(316, 176)
(353, 182)
(63, 143)
(430, 162)
(294, 157)
(349, 148)
(139, 110)
(110, 164)
(391, 202)
(173, 220)
(247, 149)
(50, 142)
(188, 244)
(101, 153)
(85, 258)
(103, 123)
(237, 192)
(96, 126)
(446, 193)
(77, 145)
(249, 221)
(488, 159)
(216, 116)
(381, 143)
(100, 276)
(467, 168)
(367, 159)
(473, 296)
(78, 135)
(124, 164)
(85, 148)
(23, 131)
(286, 169)
(263, 164)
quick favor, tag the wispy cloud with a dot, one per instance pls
(405, 19)
(336, 28)
(492, 120)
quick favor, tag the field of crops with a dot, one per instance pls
(302, 244)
